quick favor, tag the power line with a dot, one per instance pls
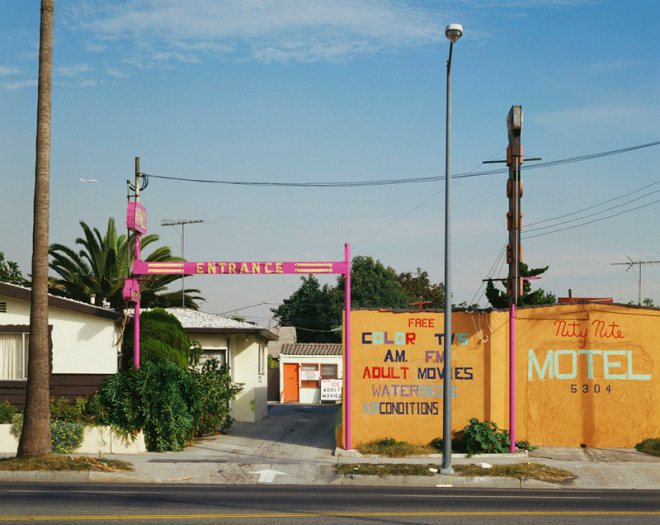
(410, 180)
(591, 222)
(596, 205)
(593, 214)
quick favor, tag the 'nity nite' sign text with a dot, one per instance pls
(237, 268)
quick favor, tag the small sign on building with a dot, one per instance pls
(310, 375)
(331, 389)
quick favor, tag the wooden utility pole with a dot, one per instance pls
(514, 159)
(630, 265)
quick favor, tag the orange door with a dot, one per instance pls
(290, 379)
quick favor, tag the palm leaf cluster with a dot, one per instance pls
(103, 262)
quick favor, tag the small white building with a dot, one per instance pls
(240, 345)
(310, 372)
(84, 344)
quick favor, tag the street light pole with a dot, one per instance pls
(453, 32)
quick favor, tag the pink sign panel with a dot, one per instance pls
(238, 268)
(132, 290)
(136, 217)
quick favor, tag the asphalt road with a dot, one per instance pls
(279, 504)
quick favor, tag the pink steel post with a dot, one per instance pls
(512, 377)
(347, 346)
(258, 268)
(136, 319)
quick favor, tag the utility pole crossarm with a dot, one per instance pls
(182, 223)
(630, 264)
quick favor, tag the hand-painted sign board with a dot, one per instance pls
(238, 268)
(331, 389)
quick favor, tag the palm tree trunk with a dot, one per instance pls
(35, 438)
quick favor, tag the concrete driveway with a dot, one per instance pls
(294, 444)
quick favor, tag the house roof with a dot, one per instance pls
(25, 294)
(194, 321)
(311, 349)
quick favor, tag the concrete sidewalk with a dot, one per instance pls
(295, 446)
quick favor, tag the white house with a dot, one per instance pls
(307, 368)
(85, 349)
(240, 345)
(83, 344)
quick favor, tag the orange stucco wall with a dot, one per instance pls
(585, 373)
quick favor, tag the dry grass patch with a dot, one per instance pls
(391, 448)
(518, 470)
(385, 469)
(57, 462)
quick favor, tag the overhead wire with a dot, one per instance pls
(470, 174)
(593, 214)
(410, 180)
(597, 205)
(593, 221)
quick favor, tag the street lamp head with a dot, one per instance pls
(453, 32)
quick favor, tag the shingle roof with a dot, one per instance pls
(311, 349)
(196, 319)
(25, 294)
(196, 322)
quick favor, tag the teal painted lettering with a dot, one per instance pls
(573, 373)
(607, 365)
(590, 361)
(532, 363)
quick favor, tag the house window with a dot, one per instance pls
(309, 376)
(13, 355)
(262, 360)
(328, 371)
(213, 353)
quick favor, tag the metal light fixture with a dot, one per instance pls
(453, 32)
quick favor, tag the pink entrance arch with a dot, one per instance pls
(136, 221)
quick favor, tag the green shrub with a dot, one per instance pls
(17, 425)
(649, 446)
(457, 442)
(161, 338)
(160, 399)
(484, 437)
(65, 436)
(7, 412)
(215, 391)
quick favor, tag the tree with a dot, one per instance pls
(317, 310)
(419, 288)
(373, 285)
(311, 309)
(10, 272)
(499, 299)
(35, 437)
(103, 263)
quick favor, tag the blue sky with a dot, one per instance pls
(344, 90)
